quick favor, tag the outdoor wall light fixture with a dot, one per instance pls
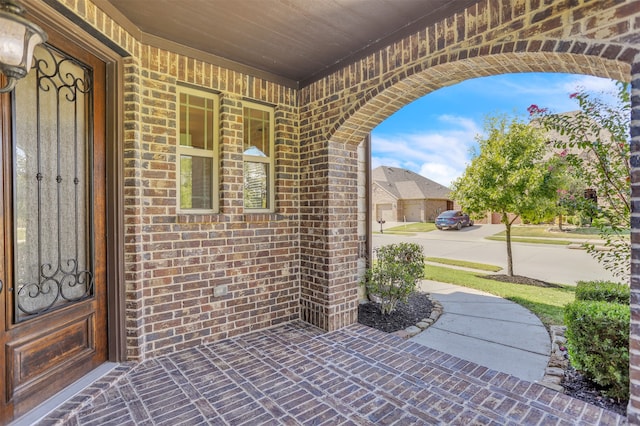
(18, 38)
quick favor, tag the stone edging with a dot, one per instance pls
(436, 311)
(558, 361)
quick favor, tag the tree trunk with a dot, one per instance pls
(560, 222)
(507, 224)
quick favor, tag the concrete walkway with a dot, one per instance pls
(487, 330)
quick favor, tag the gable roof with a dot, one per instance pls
(407, 185)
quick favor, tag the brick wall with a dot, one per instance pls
(434, 208)
(195, 278)
(633, 410)
(210, 276)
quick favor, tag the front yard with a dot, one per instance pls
(545, 302)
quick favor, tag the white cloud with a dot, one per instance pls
(439, 155)
(590, 84)
(547, 90)
(441, 173)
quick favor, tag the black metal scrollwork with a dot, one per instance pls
(62, 280)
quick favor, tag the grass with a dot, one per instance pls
(464, 263)
(556, 242)
(542, 232)
(413, 227)
(386, 231)
(545, 302)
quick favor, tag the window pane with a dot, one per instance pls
(255, 185)
(209, 129)
(257, 127)
(196, 182)
(196, 122)
(196, 127)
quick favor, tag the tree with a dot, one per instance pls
(595, 144)
(508, 175)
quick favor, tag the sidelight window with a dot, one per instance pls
(197, 149)
(258, 158)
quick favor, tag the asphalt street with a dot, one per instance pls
(551, 263)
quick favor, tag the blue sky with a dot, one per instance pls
(433, 135)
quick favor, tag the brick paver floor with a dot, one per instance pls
(296, 374)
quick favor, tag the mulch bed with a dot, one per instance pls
(409, 313)
(577, 386)
(519, 279)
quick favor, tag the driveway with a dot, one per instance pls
(557, 264)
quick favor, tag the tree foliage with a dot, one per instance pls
(507, 175)
(594, 144)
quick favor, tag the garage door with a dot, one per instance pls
(413, 212)
(384, 211)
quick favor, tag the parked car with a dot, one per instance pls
(453, 219)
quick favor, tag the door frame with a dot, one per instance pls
(52, 14)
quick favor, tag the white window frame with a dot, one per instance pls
(213, 153)
(269, 160)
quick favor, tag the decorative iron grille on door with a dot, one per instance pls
(52, 192)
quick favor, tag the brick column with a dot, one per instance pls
(633, 410)
(329, 234)
(133, 245)
(231, 161)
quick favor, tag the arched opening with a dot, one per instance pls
(408, 150)
(358, 122)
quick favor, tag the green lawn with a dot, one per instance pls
(547, 303)
(412, 227)
(464, 263)
(499, 237)
(542, 231)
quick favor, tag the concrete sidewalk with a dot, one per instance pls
(487, 330)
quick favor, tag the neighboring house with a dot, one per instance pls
(400, 195)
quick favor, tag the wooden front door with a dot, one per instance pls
(53, 251)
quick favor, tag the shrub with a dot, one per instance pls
(598, 344)
(603, 291)
(394, 275)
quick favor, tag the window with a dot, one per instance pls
(258, 158)
(197, 169)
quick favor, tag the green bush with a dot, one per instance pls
(603, 291)
(394, 275)
(598, 344)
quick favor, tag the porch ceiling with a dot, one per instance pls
(298, 41)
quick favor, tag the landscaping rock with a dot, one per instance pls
(555, 371)
(412, 331)
(554, 386)
(422, 325)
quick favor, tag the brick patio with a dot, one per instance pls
(298, 374)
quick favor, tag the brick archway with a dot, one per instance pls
(490, 38)
(359, 121)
